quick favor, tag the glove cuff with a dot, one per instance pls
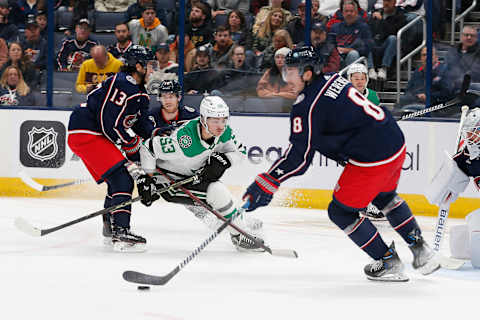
(267, 183)
(132, 147)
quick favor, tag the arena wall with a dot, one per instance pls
(35, 141)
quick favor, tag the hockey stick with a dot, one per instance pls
(276, 252)
(463, 92)
(443, 211)
(143, 278)
(26, 227)
(40, 187)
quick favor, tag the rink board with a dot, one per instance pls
(35, 141)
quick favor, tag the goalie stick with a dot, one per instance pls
(287, 253)
(40, 187)
(143, 278)
(26, 227)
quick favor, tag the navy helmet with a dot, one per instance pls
(170, 86)
(302, 58)
(137, 54)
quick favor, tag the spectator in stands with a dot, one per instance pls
(358, 75)
(148, 31)
(352, 35)
(13, 89)
(93, 71)
(265, 13)
(8, 30)
(199, 28)
(80, 11)
(191, 3)
(384, 25)
(239, 31)
(463, 59)
(326, 51)
(122, 33)
(222, 48)
(34, 45)
(272, 84)
(161, 69)
(16, 15)
(17, 58)
(281, 39)
(30, 10)
(238, 74)
(296, 26)
(135, 10)
(202, 78)
(113, 6)
(74, 51)
(415, 97)
(41, 20)
(225, 6)
(188, 52)
(264, 37)
(3, 52)
(256, 5)
(338, 15)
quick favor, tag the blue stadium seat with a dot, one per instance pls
(59, 37)
(62, 81)
(64, 20)
(168, 5)
(106, 39)
(106, 21)
(62, 100)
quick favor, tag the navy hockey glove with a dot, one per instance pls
(216, 165)
(261, 191)
(146, 190)
(131, 149)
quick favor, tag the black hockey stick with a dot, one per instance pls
(276, 252)
(464, 92)
(25, 226)
(40, 187)
(143, 278)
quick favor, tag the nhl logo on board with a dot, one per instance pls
(185, 141)
(42, 143)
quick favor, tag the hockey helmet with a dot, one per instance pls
(137, 54)
(170, 86)
(471, 133)
(213, 107)
(357, 68)
(305, 58)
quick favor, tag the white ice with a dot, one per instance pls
(69, 274)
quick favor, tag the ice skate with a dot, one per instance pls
(107, 230)
(389, 268)
(243, 243)
(253, 227)
(424, 259)
(124, 240)
(373, 213)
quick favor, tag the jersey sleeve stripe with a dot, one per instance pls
(378, 163)
(103, 107)
(309, 144)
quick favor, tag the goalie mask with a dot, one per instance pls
(213, 107)
(471, 133)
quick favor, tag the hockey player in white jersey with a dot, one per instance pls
(207, 145)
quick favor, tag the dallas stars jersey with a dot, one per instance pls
(184, 151)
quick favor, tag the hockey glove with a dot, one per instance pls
(146, 190)
(261, 191)
(131, 149)
(216, 165)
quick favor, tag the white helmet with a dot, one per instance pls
(357, 67)
(213, 107)
(471, 133)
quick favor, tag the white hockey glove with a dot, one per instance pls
(447, 184)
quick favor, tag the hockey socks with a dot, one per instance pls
(402, 220)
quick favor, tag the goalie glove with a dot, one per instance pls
(261, 191)
(145, 184)
(215, 167)
(131, 149)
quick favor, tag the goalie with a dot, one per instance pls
(452, 179)
(209, 146)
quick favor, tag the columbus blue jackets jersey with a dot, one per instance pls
(470, 167)
(185, 113)
(115, 106)
(330, 116)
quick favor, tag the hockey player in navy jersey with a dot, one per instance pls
(116, 114)
(171, 115)
(330, 116)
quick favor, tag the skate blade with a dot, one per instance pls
(398, 277)
(107, 241)
(129, 247)
(240, 249)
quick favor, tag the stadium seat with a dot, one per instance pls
(62, 100)
(64, 20)
(59, 37)
(106, 21)
(168, 5)
(220, 20)
(105, 39)
(62, 81)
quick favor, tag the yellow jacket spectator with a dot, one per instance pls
(93, 71)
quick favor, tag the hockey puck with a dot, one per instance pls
(143, 288)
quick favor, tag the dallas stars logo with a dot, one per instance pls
(185, 141)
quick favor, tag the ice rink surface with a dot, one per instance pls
(70, 274)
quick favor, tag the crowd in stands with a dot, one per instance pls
(231, 47)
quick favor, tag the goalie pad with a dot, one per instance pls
(459, 242)
(473, 224)
(447, 184)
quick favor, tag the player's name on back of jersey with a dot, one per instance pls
(336, 87)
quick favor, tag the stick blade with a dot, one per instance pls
(29, 181)
(24, 226)
(285, 253)
(143, 278)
